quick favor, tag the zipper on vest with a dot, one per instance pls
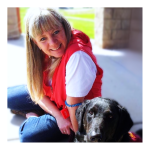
(51, 89)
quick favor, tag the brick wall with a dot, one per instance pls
(135, 40)
(13, 23)
(113, 27)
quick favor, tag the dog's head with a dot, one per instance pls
(102, 120)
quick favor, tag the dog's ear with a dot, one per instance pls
(124, 124)
(80, 114)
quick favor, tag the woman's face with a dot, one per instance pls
(53, 42)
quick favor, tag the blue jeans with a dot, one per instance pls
(34, 129)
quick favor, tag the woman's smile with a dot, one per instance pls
(56, 48)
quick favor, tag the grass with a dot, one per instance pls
(81, 19)
(86, 27)
(23, 11)
(88, 14)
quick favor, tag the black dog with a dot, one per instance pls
(102, 120)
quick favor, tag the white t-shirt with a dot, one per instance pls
(80, 74)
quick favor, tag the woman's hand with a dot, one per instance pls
(64, 124)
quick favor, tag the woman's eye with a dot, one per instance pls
(56, 32)
(42, 39)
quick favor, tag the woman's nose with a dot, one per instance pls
(53, 43)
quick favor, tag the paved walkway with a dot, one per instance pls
(122, 80)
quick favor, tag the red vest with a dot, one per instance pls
(57, 93)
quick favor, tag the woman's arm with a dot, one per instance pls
(48, 106)
(80, 76)
(72, 110)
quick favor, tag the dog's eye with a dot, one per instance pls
(91, 112)
(110, 116)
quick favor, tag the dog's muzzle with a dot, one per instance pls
(95, 137)
(95, 133)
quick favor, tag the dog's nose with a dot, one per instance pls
(96, 137)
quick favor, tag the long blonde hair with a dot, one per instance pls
(38, 20)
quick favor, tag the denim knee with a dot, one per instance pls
(40, 129)
(18, 98)
(16, 95)
(21, 135)
(29, 131)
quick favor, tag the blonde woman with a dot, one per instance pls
(61, 73)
